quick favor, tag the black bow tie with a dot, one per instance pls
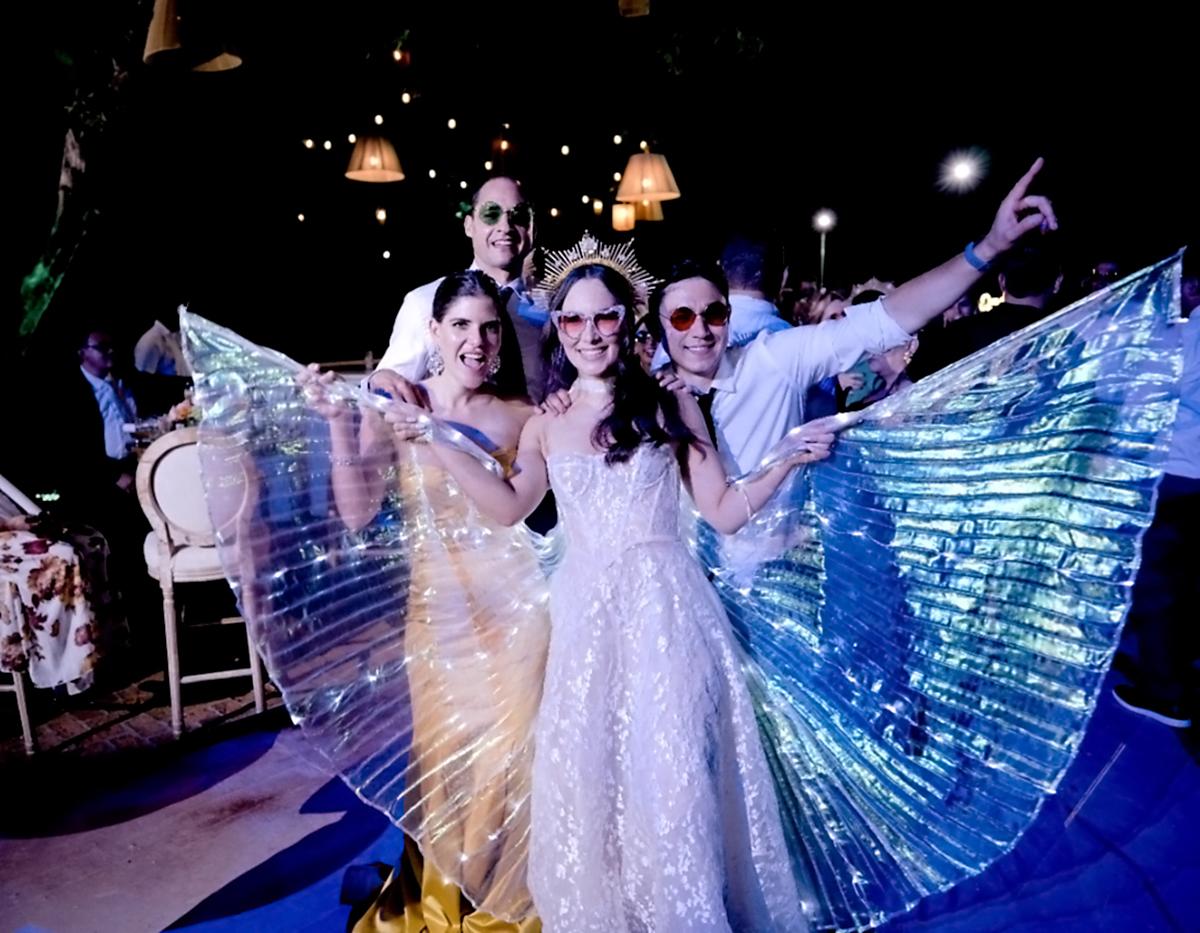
(706, 404)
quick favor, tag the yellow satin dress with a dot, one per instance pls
(480, 657)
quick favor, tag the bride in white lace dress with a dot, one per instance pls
(652, 802)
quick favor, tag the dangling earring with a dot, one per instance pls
(436, 364)
(493, 366)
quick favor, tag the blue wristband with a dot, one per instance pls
(972, 257)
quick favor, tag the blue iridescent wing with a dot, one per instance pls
(929, 614)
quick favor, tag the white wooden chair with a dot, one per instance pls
(182, 549)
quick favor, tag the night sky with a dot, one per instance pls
(199, 177)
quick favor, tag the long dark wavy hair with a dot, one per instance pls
(642, 411)
(509, 382)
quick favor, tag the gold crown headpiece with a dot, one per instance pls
(589, 250)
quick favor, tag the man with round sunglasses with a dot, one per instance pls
(754, 276)
(500, 226)
(754, 394)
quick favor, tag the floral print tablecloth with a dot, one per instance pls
(57, 614)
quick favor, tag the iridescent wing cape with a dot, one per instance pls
(926, 617)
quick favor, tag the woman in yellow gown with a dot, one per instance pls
(473, 659)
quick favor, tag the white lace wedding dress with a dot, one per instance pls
(653, 807)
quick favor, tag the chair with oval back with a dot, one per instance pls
(181, 548)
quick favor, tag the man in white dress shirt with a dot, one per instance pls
(754, 394)
(501, 229)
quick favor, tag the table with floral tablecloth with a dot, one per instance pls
(57, 613)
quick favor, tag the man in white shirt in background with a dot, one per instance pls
(754, 274)
(500, 226)
(115, 402)
(753, 395)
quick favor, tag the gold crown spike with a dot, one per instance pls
(589, 250)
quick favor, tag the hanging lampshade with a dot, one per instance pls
(163, 34)
(623, 217)
(223, 62)
(374, 159)
(648, 210)
(194, 42)
(647, 178)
